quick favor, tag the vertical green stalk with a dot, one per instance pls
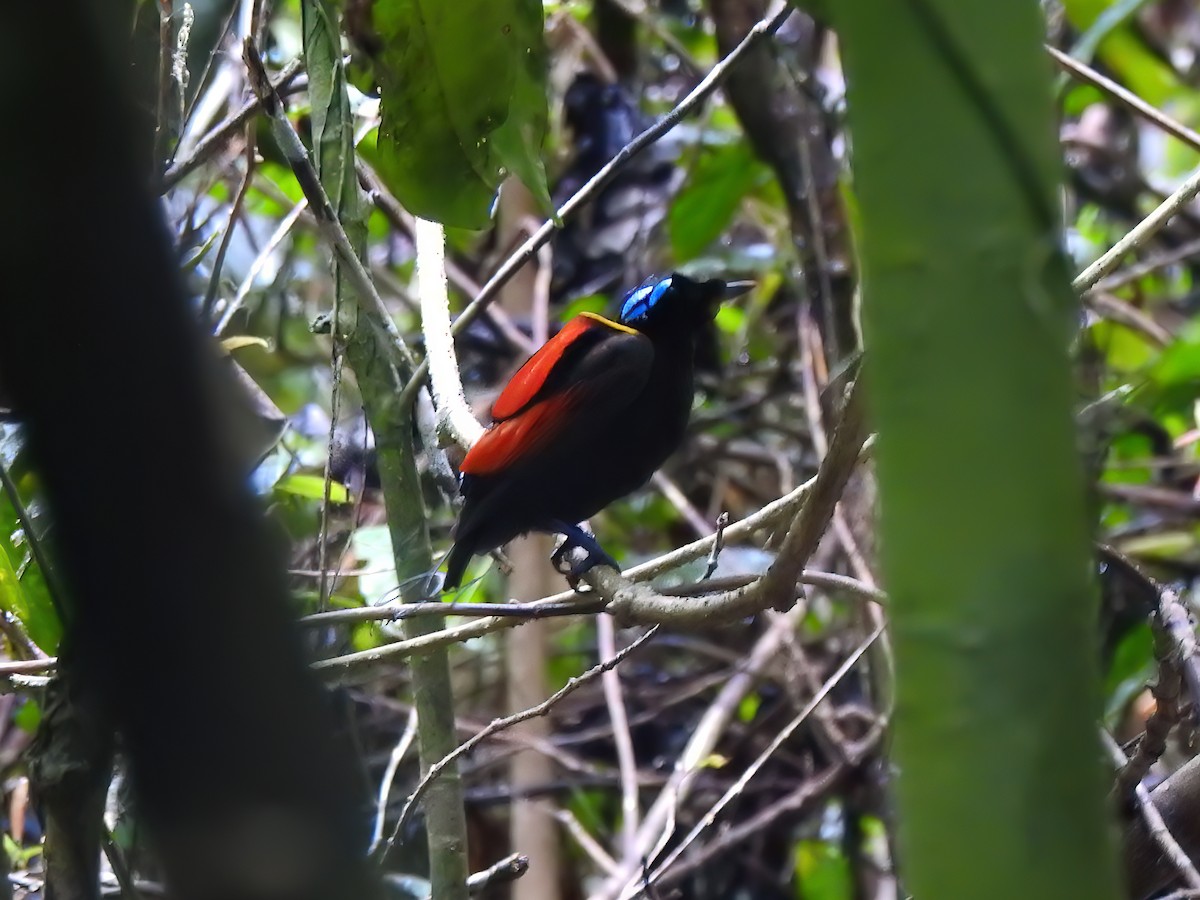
(392, 425)
(968, 313)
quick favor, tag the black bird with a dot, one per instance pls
(586, 420)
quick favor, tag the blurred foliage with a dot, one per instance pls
(460, 110)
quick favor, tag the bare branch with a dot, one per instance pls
(496, 725)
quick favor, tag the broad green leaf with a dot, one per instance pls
(29, 602)
(312, 487)
(713, 193)
(1124, 51)
(464, 102)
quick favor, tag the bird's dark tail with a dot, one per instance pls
(456, 564)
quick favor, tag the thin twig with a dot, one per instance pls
(395, 612)
(1148, 266)
(1140, 233)
(614, 700)
(221, 133)
(239, 298)
(1154, 820)
(1166, 715)
(508, 869)
(714, 555)
(788, 730)
(389, 774)
(164, 80)
(235, 211)
(588, 844)
(496, 725)
(1126, 97)
(659, 822)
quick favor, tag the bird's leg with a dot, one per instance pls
(577, 537)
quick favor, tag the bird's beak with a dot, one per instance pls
(736, 289)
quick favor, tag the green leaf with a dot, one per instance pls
(703, 209)
(822, 872)
(28, 716)
(332, 124)
(312, 487)
(1123, 50)
(464, 102)
(29, 602)
(1179, 363)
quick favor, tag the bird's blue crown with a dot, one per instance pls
(640, 301)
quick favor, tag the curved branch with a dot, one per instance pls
(454, 417)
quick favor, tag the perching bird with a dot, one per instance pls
(586, 420)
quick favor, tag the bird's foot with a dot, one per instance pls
(576, 537)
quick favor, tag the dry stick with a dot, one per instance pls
(811, 790)
(496, 725)
(389, 775)
(610, 683)
(394, 612)
(1126, 97)
(1173, 618)
(1148, 266)
(1117, 310)
(239, 298)
(583, 838)
(753, 768)
(1169, 207)
(1154, 820)
(508, 869)
(164, 80)
(736, 788)
(760, 32)
(659, 822)
(235, 212)
(221, 133)
(1166, 692)
(1140, 233)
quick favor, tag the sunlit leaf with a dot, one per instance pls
(312, 487)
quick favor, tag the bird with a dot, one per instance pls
(585, 421)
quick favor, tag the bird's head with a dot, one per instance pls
(675, 304)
